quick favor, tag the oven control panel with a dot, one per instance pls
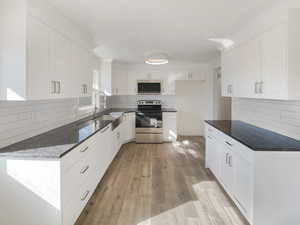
(149, 102)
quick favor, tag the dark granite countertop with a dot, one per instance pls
(54, 144)
(256, 138)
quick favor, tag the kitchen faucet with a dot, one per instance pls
(96, 94)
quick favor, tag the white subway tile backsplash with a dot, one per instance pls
(280, 116)
(22, 120)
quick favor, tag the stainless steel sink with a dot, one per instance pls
(108, 117)
(116, 120)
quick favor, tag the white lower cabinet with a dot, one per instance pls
(212, 155)
(129, 127)
(170, 126)
(88, 164)
(262, 184)
(232, 164)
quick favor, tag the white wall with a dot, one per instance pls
(192, 105)
(279, 116)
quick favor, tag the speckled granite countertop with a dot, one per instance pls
(256, 138)
(54, 144)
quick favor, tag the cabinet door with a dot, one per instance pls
(119, 82)
(226, 168)
(243, 184)
(129, 127)
(106, 77)
(60, 51)
(228, 72)
(39, 78)
(212, 154)
(274, 75)
(248, 74)
(169, 127)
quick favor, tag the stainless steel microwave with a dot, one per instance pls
(149, 87)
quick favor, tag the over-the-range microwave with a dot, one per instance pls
(149, 87)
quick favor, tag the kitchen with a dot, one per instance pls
(149, 112)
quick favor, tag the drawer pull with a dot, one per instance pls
(227, 154)
(230, 161)
(85, 196)
(228, 143)
(84, 150)
(102, 131)
(241, 205)
(209, 137)
(84, 170)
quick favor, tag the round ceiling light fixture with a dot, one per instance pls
(156, 58)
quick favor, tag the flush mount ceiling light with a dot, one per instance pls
(156, 59)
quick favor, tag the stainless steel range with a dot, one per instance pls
(149, 124)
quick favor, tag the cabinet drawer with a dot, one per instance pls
(212, 132)
(76, 177)
(76, 154)
(73, 209)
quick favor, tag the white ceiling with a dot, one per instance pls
(126, 29)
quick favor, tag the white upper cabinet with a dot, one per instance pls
(54, 64)
(124, 79)
(267, 65)
(274, 68)
(106, 76)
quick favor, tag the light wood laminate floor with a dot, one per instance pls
(164, 184)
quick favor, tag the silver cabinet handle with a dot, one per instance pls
(209, 137)
(227, 154)
(85, 149)
(229, 89)
(84, 89)
(261, 87)
(255, 88)
(53, 87)
(228, 143)
(230, 161)
(85, 196)
(102, 131)
(84, 170)
(58, 87)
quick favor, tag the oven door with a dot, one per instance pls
(149, 119)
